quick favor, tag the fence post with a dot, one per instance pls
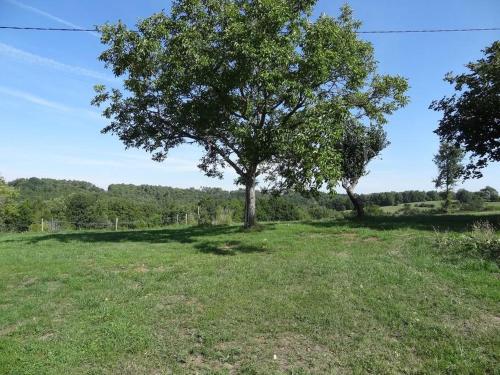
(186, 218)
(116, 223)
(198, 214)
(42, 224)
(177, 218)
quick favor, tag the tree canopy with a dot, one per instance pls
(359, 146)
(471, 116)
(246, 80)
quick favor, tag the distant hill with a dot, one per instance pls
(48, 188)
(149, 193)
(81, 204)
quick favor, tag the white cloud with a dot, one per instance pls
(31, 58)
(48, 104)
(48, 15)
(33, 99)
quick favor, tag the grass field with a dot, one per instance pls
(436, 204)
(321, 298)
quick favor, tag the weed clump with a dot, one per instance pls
(480, 242)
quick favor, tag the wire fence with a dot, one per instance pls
(58, 225)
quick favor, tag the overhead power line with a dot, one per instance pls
(30, 28)
(27, 28)
(427, 31)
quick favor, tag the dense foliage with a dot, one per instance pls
(359, 145)
(76, 204)
(471, 116)
(254, 83)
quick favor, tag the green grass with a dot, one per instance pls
(393, 209)
(491, 206)
(321, 297)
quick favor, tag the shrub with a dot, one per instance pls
(480, 242)
(223, 216)
(319, 212)
(408, 210)
(425, 205)
(374, 210)
(476, 204)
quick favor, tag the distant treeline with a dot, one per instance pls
(77, 204)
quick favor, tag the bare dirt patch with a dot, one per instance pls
(5, 331)
(172, 301)
(142, 269)
(28, 281)
(371, 239)
(52, 286)
(483, 323)
(286, 353)
(47, 336)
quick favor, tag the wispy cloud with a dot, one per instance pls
(48, 15)
(26, 96)
(31, 58)
(33, 99)
(171, 164)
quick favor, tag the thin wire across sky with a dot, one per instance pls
(33, 28)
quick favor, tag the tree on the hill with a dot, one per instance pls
(359, 145)
(471, 117)
(489, 194)
(6, 192)
(449, 164)
(8, 208)
(242, 79)
(84, 210)
(464, 196)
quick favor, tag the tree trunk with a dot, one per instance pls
(250, 215)
(358, 205)
(447, 199)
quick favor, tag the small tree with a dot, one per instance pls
(359, 146)
(471, 118)
(245, 80)
(449, 163)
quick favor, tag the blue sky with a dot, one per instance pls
(49, 129)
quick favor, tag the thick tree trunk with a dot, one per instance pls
(358, 205)
(250, 214)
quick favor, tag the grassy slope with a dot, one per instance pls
(436, 204)
(343, 297)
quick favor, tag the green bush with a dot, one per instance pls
(476, 204)
(319, 212)
(374, 210)
(480, 242)
(408, 210)
(425, 205)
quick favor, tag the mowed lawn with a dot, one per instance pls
(304, 298)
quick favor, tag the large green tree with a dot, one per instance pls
(448, 161)
(471, 116)
(247, 80)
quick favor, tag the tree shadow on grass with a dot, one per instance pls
(228, 248)
(453, 223)
(173, 234)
